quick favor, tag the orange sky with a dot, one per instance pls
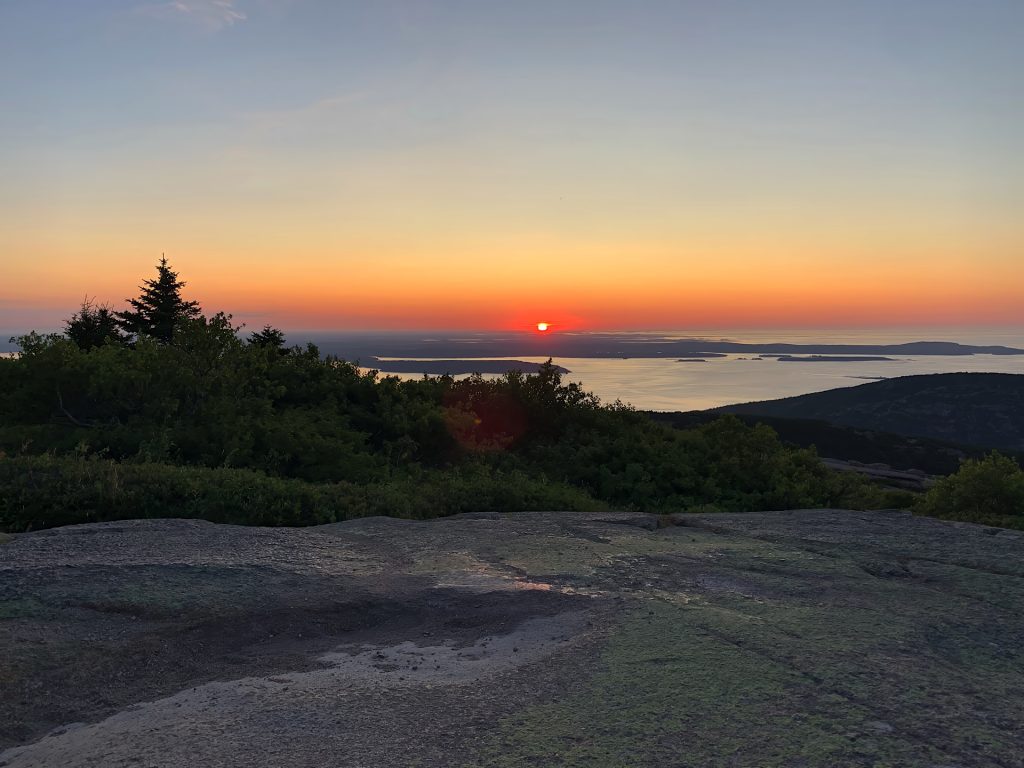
(447, 165)
(577, 286)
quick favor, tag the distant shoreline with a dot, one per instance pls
(400, 345)
(492, 346)
(454, 367)
(835, 359)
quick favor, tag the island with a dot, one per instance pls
(568, 345)
(454, 367)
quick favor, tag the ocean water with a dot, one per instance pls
(668, 385)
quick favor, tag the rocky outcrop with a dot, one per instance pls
(814, 637)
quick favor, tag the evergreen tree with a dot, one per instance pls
(93, 325)
(269, 337)
(160, 307)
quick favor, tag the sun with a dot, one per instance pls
(542, 327)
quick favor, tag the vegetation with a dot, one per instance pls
(269, 337)
(159, 308)
(988, 491)
(93, 326)
(979, 409)
(198, 422)
(46, 491)
(868, 446)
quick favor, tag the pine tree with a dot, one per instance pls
(160, 306)
(93, 325)
(269, 337)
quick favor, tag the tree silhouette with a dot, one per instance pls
(269, 337)
(93, 325)
(160, 307)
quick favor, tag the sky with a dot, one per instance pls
(414, 164)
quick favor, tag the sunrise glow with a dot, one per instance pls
(663, 168)
(542, 327)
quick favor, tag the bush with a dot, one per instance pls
(46, 491)
(988, 491)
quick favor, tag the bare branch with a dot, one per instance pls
(66, 412)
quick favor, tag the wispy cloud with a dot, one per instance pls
(210, 15)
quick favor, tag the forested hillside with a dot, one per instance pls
(979, 409)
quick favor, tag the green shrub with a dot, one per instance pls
(46, 491)
(988, 491)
